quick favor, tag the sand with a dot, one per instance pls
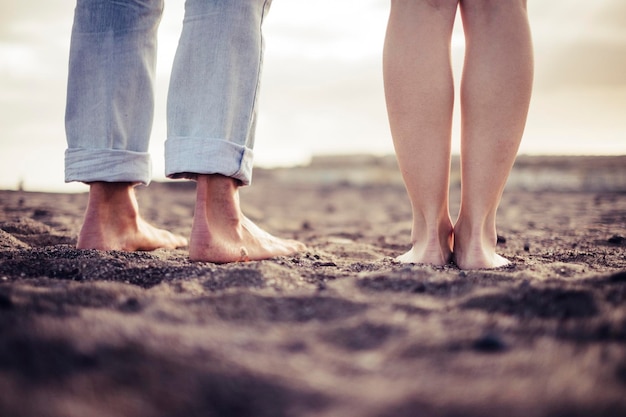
(340, 330)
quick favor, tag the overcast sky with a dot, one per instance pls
(322, 82)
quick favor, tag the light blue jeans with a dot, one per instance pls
(212, 99)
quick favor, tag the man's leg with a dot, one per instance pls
(109, 118)
(211, 124)
(419, 91)
(495, 94)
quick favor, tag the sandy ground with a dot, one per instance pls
(340, 330)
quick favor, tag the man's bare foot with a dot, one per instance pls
(476, 249)
(112, 222)
(436, 249)
(221, 233)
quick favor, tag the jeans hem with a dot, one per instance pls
(185, 157)
(108, 165)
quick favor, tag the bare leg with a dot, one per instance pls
(112, 222)
(419, 91)
(221, 233)
(495, 93)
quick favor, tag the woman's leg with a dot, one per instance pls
(419, 91)
(495, 93)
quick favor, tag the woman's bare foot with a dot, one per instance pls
(112, 222)
(222, 234)
(434, 250)
(476, 249)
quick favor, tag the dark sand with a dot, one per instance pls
(340, 330)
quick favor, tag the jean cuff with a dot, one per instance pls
(108, 165)
(187, 157)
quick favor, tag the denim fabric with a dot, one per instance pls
(212, 98)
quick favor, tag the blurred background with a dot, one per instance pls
(322, 90)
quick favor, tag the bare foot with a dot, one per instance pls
(112, 222)
(479, 259)
(435, 250)
(476, 250)
(222, 234)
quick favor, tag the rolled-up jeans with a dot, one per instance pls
(212, 98)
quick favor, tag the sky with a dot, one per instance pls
(322, 90)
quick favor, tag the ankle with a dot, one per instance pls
(110, 191)
(217, 184)
(112, 205)
(475, 234)
(475, 243)
(104, 195)
(438, 231)
(217, 200)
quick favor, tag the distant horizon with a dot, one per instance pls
(76, 187)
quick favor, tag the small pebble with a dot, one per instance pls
(320, 264)
(132, 305)
(618, 277)
(489, 343)
(5, 302)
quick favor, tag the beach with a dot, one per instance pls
(338, 330)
